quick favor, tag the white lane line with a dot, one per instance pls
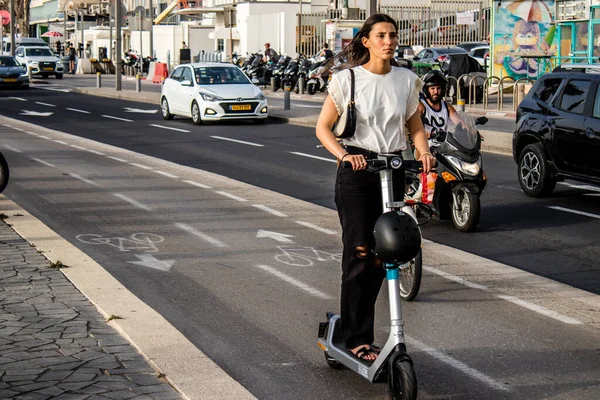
(77, 147)
(515, 300)
(575, 212)
(238, 141)
(140, 166)
(592, 194)
(316, 228)
(132, 201)
(584, 187)
(270, 210)
(167, 174)
(454, 363)
(44, 104)
(117, 118)
(46, 163)
(540, 310)
(45, 137)
(32, 133)
(311, 156)
(170, 128)
(77, 110)
(300, 285)
(61, 142)
(508, 187)
(97, 152)
(117, 159)
(231, 196)
(200, 185)
(81, 178)
(207, 238)
(12, 149)
(18, 98)
(8, 126)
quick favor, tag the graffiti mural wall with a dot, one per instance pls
(523, 38)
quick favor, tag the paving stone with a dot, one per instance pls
(154, 389)
(129, 356)
(144, 379)
(32, 396)
(93, 389)
(67, 367)
(165, 395)
(114, 385)
(51, 391)
(34, 386)
(120, 395)
(74, 335)
(89, 355)
(118, 349)
(73, 386)
(19, 378)
(19, 371)
(7, 394)
(72, 396)
(78, 377)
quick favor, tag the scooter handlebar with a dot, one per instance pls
(393, 162)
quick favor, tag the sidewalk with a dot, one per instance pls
(54, 344)
(498, 142)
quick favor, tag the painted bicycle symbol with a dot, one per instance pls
(304, 256)
(138, 241)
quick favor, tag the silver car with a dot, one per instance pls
(12, 74)
(40, 60)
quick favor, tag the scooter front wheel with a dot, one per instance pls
(3, 173)
(402, 381)
(410, 278)
(466, 209)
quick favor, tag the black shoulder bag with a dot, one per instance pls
(347, 127)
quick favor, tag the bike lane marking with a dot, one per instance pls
(170, 128)
(238, 141)
(316, 228)
(569, 210)
(140, 166)
(231, 196)
(12, 148)
(207, 238)
(311, 156)
(77, 110)
(270, 210)
(168, 175)
(197, 184)
(132, 202)
(46, 163)
(117, 118)
(81, 178)
(300, 285)
(44, 104)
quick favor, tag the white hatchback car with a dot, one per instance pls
(212, 92)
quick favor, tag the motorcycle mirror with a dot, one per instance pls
(255, 81)
(481, 121)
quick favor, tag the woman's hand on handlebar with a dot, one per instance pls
(428, 161)
(358, 161)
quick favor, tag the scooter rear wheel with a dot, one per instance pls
(332, 362)
(405, 385)
(410, 278)
(3, 173)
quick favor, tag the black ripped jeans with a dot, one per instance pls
(359, 204)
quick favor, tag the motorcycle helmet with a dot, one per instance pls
(434, 78)
(397, 237)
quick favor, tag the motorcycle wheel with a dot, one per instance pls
(311, 88)
(466, 209)
(410, 278)
(402, 381)
(3, 173)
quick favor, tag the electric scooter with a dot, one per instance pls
(3, 173)
(393, 363)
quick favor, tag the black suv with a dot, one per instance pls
(558, 130)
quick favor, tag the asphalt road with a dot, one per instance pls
(251, 302)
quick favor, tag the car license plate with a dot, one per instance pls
(10, 80)
(241, 107)
(48, 69)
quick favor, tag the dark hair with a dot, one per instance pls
(325, 46)
(355, 53)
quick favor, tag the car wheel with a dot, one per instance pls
(196, 113)
(59, 76)
(164, 109)
(534, 177)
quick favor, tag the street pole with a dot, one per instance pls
(230, 36)
(82, 40)
(300, 29)
(12, 28)
(141, 48)
(151, 30)
(118, 18)
(371, 7)
(110, 46)
(64, 27)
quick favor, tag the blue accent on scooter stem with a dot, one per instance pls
(391, 274)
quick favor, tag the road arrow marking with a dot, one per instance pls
(137, 110)
(148, 260)
(280, 237)
(36, 114)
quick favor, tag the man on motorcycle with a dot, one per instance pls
(269, 52)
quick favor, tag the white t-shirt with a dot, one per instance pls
(383, 105)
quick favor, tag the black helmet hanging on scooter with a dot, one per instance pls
(397, 237)
(434, 78)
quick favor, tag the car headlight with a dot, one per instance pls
(260, 96)
(24, 73)
(209, 97)
(471, 169)
(33, 62)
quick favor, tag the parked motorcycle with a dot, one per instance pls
(3, 173)
(318, 77)
(290, 75)
(460, 177)
(279, 70)
(304, 67)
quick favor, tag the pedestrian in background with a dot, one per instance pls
(72, 59)
(183, 45)
(386, 102)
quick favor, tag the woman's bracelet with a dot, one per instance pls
(424, 154)
(344, 156)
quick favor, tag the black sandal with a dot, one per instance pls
(364, 352)
(376, 349)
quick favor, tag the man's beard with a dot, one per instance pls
(435, 99)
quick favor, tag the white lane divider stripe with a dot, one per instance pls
(311, 156)
(32, 133)
(207, 238)
(270, 210)
(132, 201)
(454, 363)
(61, 142)
(117, 118)
(96, 152)
(238, 141)
(8, 126)
(81, 178)
(515, 300)
(44, 104)
(584, 187)
(166, 174)
(231, 196)
(140, 166)
(592, 194)
(200, 185)
(77, 147)
(46, 163)
(77, 110)
(575, 212)
(316, 228)
(117, 159)
(300, 285)
(169, 128)
(45, 137)
(12, 149)
(18, 98)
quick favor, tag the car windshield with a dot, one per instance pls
(220, 76)
(8, 62)
(38, 52)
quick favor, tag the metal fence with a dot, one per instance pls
(436, 24)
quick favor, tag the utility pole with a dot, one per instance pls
(12, 28)
(371, 8)
(82, 40)
(110, 26)
(230, 35)
(151, 30)
(65, 27)
(141, 61)
(118, 19)
(300, 29)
